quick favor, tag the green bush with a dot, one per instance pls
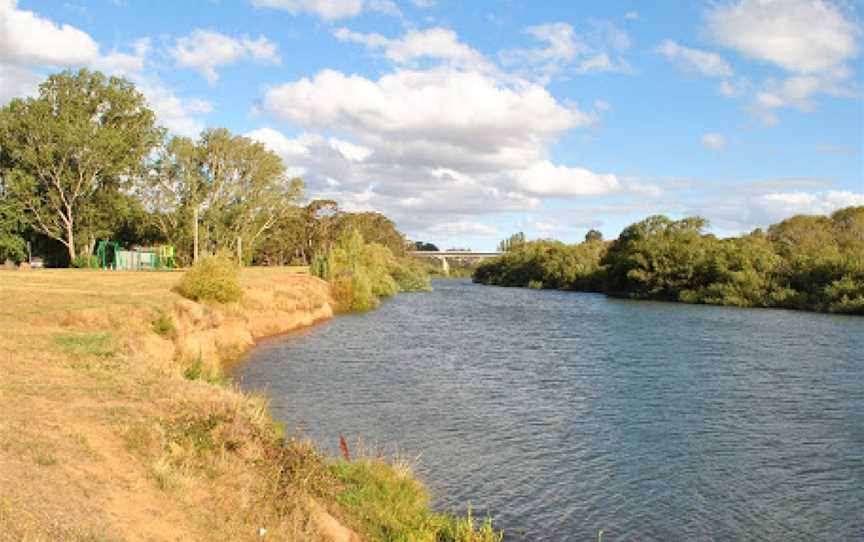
(360, 273)
(212, 279)
(164, 325)
(386, 503)
(410, 275)
(85, 262)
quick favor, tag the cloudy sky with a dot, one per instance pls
(466, 121)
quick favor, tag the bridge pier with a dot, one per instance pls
(445, 266)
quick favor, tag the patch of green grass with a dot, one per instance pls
(195, 432)
(198, 371)
(164, 325)
(100, 345)
(46, 459)
(386, 503)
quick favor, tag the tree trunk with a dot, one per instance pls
(70, 242)
(195, 235)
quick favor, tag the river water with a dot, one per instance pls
(564, 413)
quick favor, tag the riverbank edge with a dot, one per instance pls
(625, 297)
(156, 369)
(121, 425)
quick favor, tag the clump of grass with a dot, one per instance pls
(211, 373)
(535, 284)
(385, 502)
(164, 473)
(212, 279)
(101, 345)
(164, 325)
(45, 459)
(463, 530)
(138, 437)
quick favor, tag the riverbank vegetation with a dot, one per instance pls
(120, 425)
(362, 273)
(803, 262)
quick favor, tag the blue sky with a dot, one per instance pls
(468, 121)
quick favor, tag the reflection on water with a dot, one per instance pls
(564, 413)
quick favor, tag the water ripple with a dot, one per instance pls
(564, 413)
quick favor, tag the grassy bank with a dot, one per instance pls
(118, 425)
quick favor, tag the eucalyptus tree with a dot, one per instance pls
(374, 228)
(235, 187)
(12, 244)
(69, 150)
(512, 243)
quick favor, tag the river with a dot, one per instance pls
(564, 413)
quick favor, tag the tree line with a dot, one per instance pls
(85, 160)
(808, 262)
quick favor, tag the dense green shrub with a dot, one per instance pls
(546, 264)
(410, 274)
(804, 262)
(85, 262)
(361, 273)
(212, 279)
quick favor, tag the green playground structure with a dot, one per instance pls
(110, 256)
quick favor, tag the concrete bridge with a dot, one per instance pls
(444, 255)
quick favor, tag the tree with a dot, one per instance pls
(374, 228)
(656, 258)
(420, 245)
(514, 241)
(320, 218)
(12, 245)
(245, 189)
(593, 235)
(234, 186)
(66, 151)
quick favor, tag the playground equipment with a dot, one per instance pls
(110, 256)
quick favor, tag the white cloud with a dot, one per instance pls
(706, 63)
(781, 205)
(810, 40)
(17, 82)
(350, 151)
(26, 38)
(801, 36)
(204, 50)
(714, 142)
(632, 15)
(434, 43)
(436, 118)
(733, 89)
(174, 112)
(544, 226)
(330, 9)
(464, 227)
(546, 179)
(563, 47)
(423, 4)
(125, 64)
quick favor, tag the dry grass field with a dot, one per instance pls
(110, 431)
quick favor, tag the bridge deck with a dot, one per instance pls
(453, 254)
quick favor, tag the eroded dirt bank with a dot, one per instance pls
(115, 424)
